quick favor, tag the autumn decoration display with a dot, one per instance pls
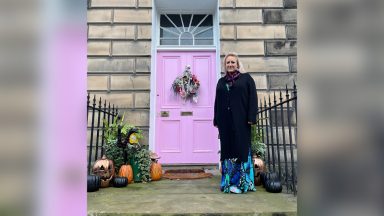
(186, 85)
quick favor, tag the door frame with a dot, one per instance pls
(155, 48)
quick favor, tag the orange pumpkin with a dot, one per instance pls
(105, 169)
(126, 171)
(156, 171)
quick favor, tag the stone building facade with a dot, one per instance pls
(262, 32)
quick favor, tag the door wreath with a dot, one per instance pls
(186, 85)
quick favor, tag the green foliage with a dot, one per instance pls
(137, 152)
(257, 145)
(142, 156)
(112, 151)
(110, 131)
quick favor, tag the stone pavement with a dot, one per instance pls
(187, 197)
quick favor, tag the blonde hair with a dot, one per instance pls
(239, 64)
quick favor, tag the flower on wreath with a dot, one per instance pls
(186, 85)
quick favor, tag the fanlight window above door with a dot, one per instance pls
(186, 29)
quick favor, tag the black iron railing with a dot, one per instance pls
(278, 126)
(95, 127)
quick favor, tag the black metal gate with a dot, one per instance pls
(95, 127)
(278, 126)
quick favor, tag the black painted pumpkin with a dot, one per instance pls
(273, 186)
(267, 176)
(120, 182)
(263, 178)
(93, 183)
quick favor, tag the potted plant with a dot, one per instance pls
(111, 137)
(257, 146)
(141, 162)
(122, 145)
(258, 152)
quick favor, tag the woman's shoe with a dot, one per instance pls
(235, 190)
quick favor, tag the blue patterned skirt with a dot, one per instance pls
(237, 177)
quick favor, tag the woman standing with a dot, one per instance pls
(235, 112)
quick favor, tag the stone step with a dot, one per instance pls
(199, 214)
(187, 197)
(190, 166)
(209, 168)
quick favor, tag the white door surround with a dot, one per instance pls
(178, 6)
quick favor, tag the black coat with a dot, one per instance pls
(233, 110)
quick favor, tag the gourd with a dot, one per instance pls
(262, 178)
(105, 169)
(259, 166)
(93, 183)
(126, 171)
(120, 182)
(265, 176)
(272, 182)
(156, 171)
(273, 186)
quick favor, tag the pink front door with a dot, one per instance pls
(184, 130)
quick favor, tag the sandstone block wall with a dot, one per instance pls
(262, 32)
